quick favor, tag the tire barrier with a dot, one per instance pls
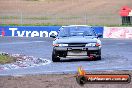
(126, 15)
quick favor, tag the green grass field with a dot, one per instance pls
(61, 12)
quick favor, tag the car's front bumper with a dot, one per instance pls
(77, 51)
(75, 48)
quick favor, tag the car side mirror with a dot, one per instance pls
(53, 35)
(99, 35)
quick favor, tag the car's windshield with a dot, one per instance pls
(76, 31)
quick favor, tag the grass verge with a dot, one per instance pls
(6, 59)
(50, 24)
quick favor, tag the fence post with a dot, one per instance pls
(21, 18)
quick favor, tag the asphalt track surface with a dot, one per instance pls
(116, 55)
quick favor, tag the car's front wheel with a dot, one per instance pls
(98, 58)
(54, 57)
(99, 55)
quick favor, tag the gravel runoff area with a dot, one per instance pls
(56, 81)
(23, 61)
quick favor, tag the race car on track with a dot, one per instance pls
(76, 40)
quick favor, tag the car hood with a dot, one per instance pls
(75, 40)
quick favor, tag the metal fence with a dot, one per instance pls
(62, 19)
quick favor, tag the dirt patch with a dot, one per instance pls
(56, 81)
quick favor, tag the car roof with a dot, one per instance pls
(77, 26)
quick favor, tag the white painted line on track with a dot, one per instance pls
(120, 43)
(21, 42)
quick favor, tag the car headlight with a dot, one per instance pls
(63, 44)
(60, 44)
(93, 44)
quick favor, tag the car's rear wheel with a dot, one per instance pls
(54, 57)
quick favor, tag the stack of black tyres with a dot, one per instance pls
(127, 20)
